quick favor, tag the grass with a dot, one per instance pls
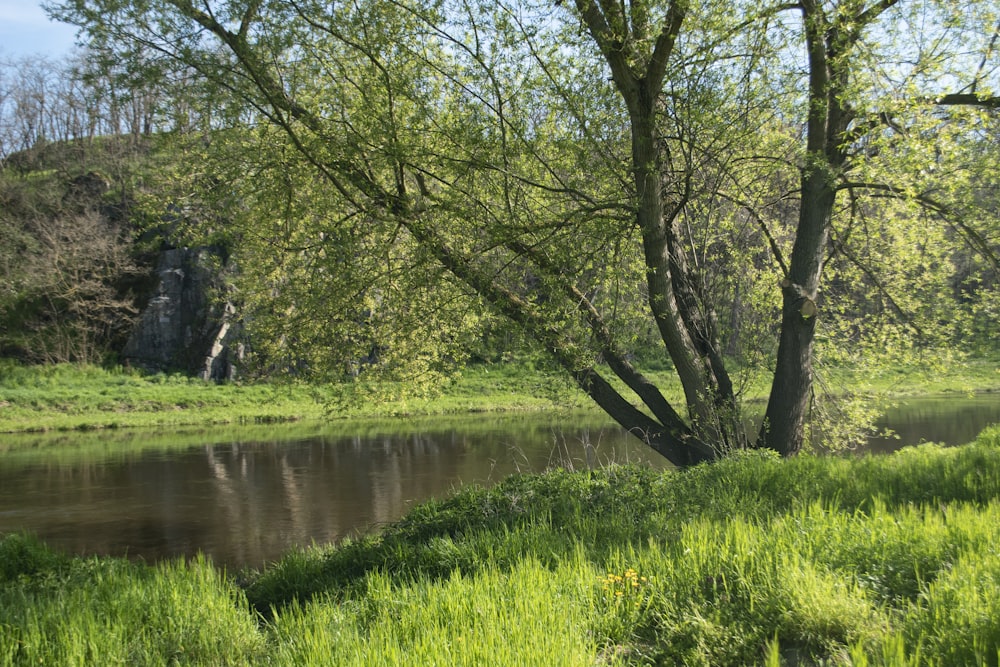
(70, 397)
(754, 560)
(934, 374)
(62, 611)
(80, 398)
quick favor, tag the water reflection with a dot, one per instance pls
(952, 421)
(246, 503)
(247, 500)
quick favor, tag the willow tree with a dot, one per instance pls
(539, 158)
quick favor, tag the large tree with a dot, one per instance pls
(550, 161)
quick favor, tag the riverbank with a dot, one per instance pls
(887, 560)
(69, 397)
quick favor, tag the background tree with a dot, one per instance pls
(67, 272)
(68, 267)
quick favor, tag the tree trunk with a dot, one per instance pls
(783, 429)
(679, 342)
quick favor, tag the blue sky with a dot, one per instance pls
(25, 30)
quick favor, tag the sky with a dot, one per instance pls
(25, 30)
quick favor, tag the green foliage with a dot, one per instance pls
(77, 612)
(404, 183)
(879, 560)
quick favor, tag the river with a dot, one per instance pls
(246, 496)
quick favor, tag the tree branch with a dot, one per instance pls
(965, 99)
(771, 241)
(873, 12)
(248, 16)
(985, 58)
(614, 357)
(613, 52)
(679, 447)
(653, 80)
(972, 237)
(841, 247)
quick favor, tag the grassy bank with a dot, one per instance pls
(70, 397)
(866, 561)
(67, 397)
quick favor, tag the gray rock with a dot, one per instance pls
(188, 325)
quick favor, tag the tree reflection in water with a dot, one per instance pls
(247, 502)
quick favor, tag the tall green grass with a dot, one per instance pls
(824, 561)
(528, 614)
(56, 610)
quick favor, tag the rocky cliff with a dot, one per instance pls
(188, 325)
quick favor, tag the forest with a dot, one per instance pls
(399, 189)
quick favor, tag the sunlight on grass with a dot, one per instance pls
(79, 397)
(869, 561)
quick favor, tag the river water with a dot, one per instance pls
(245, 497)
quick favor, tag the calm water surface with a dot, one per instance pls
(246, 499)
(246, 502)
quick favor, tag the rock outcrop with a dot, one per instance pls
(188, 325)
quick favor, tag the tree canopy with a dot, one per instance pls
(730, 180)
